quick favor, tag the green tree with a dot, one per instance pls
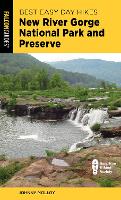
(56, 81)
(24, 77)
(42, 78)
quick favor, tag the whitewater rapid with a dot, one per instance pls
(85, 119)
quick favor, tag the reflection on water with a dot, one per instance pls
(21, 138)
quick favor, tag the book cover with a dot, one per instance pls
(60, 99)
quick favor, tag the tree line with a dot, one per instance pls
(29, 79)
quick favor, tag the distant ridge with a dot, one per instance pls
(101, 69)
(13, 63)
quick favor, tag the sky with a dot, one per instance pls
(50, 57)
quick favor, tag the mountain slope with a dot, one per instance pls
(106, 70)
(13, 63)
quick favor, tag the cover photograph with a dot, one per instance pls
(60, 99)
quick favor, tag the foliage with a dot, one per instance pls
(55, 105)
(95, 127)
(105, 182)
(34, 96)
(117, 103)
(11, 103)
(22, 71)
(112, 107)
(81, 93)
(50, 153)
(8, 171)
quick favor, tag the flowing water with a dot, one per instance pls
(85, 119)
(21, 138)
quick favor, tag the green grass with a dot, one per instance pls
(55, 105)
(50, 153)
(107, 182)
(112, 107)
(80, 93)
(8, 171)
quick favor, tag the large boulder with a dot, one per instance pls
(48, 113)
(19, 110)
(40, 112)
(114, 113)
(111, 132)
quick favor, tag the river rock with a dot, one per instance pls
(114, 113)
(111, 132)
(20, 110)
(47, 113)
(59, 162)
(40, 112)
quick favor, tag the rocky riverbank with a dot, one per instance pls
(111, 132)
(41, 112)
(42, 109)
(69, 169)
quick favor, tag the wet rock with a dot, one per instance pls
(114, 113)
(47, 113)
(18, 110)
(40, 112)
(111, 132)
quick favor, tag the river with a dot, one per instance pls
(21, 138)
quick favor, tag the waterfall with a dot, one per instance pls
(73, 114)
(85, 120)
(95, 116)
(80, 114)
(29, 111)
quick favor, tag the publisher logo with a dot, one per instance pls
(102, 167)
(95, 166)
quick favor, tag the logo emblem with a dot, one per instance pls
(95, 166)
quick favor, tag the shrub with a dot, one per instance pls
(95, 127)
(12, 95)
(107, 182)
(34, 96)
(8, 171)
(50, 153)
